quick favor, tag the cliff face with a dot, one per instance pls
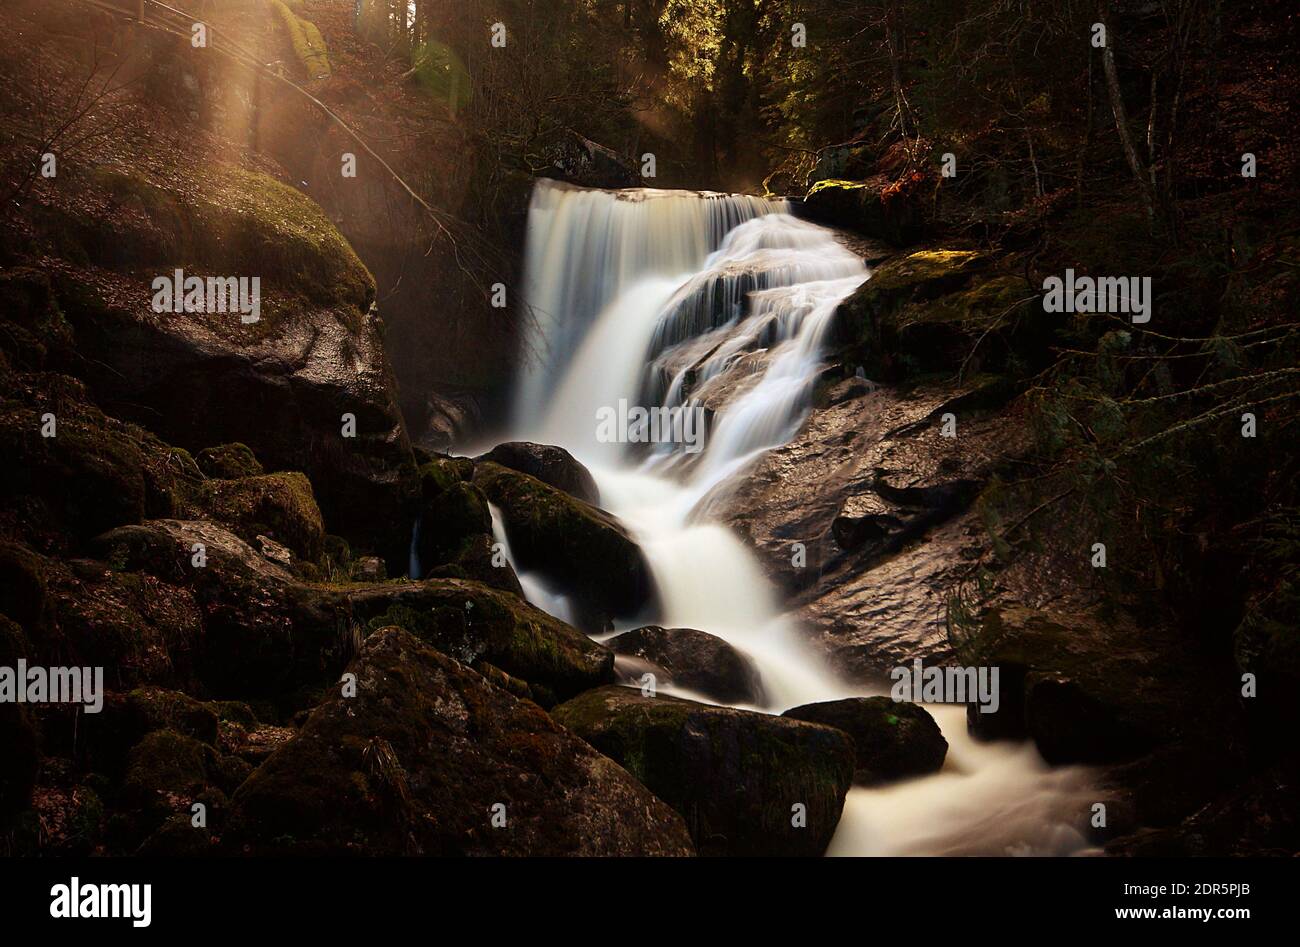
(141, 193)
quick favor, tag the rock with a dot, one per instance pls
(696, 661)
(286, 385)
(281, 506)
(734, 775)
(551, 465)
(228, 462)
(449, 419)
(878, 206)
(882, 506)
(944, 310)
(369, 569)
(584, 550)
(892, 739)
(454, 535)
(22, 583)
(578, 160)
(280, 555)
(94, 474)
(416, 762)
(262, 632)
(1085, 689)
(475, 623)
(141, 629)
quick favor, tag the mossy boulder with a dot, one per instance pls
(738, 778)
(72, 471)
(694, 660)
(892, 739)
(228, 461)
(264, 633)
(476, 624)
(418, 762)
(165, 770)
(584, 550)
(141, 629)
(551, 465)
(454, 532)
(878, 206)
(307, 386)
(279, 505)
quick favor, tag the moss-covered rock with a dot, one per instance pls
(288, 384)
(418, 761)
(694, 660)
(892, 740)
(585, 550)
(551, 465)
(878, 206)
(279, 505)
(475, 624)
(74, 472)
(228, 461)
(944, 310)
(738, 778)
(264, 633)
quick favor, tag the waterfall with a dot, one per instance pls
(720, 303)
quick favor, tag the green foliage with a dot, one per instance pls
(304, 36)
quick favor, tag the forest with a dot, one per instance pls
(330, 336)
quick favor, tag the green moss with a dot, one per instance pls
(165, 762)
(229, 461)
(279, 505)
(225, 220)
(308, 45)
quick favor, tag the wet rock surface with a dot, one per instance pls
(735, 776)
(551, 465)
(881, 502)
(892, 739)
(585, 550)
(694, 660)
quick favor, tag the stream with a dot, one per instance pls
(691, 300)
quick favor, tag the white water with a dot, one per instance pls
(668, 298)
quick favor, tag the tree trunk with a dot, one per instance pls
(1117, 109)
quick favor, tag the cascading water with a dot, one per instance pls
(688, 300)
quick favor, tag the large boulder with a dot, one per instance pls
(263, 632)
(428, 758)
(281, 506)
(694, 660)
(307, 386)
(747, 783)
(549, 464)
(584, 550)
(892, 739)
(477, 624)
